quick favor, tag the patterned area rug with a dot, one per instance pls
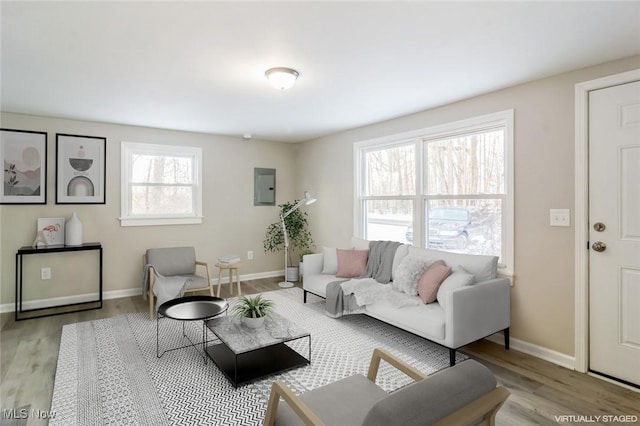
(108, 372)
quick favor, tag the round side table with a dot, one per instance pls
(190, 308)
(231, 267)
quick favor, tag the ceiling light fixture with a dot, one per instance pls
(281, 78)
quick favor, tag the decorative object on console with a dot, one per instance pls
(252, 310)
(290, 231)
(81, 171)
(24, 161)
(73, 231)
(50, 231)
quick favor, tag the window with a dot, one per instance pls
(447, 187)
(161, 185)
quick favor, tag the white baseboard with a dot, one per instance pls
(541, 352)
(116, 294)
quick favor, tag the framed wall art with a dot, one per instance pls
(24, 164)
(50, 231)
(81, 169)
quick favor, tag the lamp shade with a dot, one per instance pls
(282, 78)
(308, 198)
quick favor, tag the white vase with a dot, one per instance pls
(252, 322)
(73, 231)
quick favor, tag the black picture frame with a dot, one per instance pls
(23, 154)
(80, 169)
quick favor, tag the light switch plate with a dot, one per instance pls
(559, 217)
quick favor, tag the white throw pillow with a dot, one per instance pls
(408, 272)
(459, 278)
(359, 243)
(330, 260)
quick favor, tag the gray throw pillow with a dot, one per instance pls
(408, 272)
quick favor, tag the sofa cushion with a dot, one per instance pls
(424, 320)
(429, 400)
(345, 402)
(408, 272)
(431, 279)
(481, 266)
(317, 284)
(330, 260)
(459, 278)
(351, 263)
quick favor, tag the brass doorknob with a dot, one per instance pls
(599, 246)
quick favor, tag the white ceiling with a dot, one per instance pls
(199, 66)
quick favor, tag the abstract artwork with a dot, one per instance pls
(81, 173)
(24, 164)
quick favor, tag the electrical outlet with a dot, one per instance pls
(559, 217)
(45, 273)
(250, 255)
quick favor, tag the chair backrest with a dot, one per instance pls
(173, 260)
(431, 399)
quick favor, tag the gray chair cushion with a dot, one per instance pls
(344, 403)
(431, 399)
(173, 260)
(196, 281)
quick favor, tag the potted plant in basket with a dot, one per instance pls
(252, 310)
(298, 232)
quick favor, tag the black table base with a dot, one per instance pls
(254, 365)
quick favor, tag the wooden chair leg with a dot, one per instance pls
(219, 280)
(150, 296)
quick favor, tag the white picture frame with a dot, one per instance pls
(50, 231)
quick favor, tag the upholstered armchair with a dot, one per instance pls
(466, 393)
(174, 269)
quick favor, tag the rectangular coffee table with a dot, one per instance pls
(247, 354)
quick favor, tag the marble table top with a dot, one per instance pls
(240, 339)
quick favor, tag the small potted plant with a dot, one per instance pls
(252, 310)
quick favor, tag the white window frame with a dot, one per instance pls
(503, 119)
(127, 150)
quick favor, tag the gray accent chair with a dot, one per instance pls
(174, 262)
(466, 393)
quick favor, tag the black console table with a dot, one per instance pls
(82, 306)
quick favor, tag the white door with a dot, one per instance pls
(614, 232)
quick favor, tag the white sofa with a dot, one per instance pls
(466, 314)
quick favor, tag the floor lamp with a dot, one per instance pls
(305, 201)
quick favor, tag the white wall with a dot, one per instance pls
(232, 224)
(543, 296)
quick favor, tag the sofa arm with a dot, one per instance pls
(477, 311)
(312, 264)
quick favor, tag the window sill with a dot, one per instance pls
(160, 221)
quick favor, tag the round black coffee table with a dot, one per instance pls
(190, 308)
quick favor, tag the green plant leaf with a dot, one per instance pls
(252, 307)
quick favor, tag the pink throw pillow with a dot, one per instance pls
(351, 263)
(431, 279)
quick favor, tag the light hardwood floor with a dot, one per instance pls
(540, 391)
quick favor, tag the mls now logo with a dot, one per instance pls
(15, 414)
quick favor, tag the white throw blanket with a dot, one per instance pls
(368, 291)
